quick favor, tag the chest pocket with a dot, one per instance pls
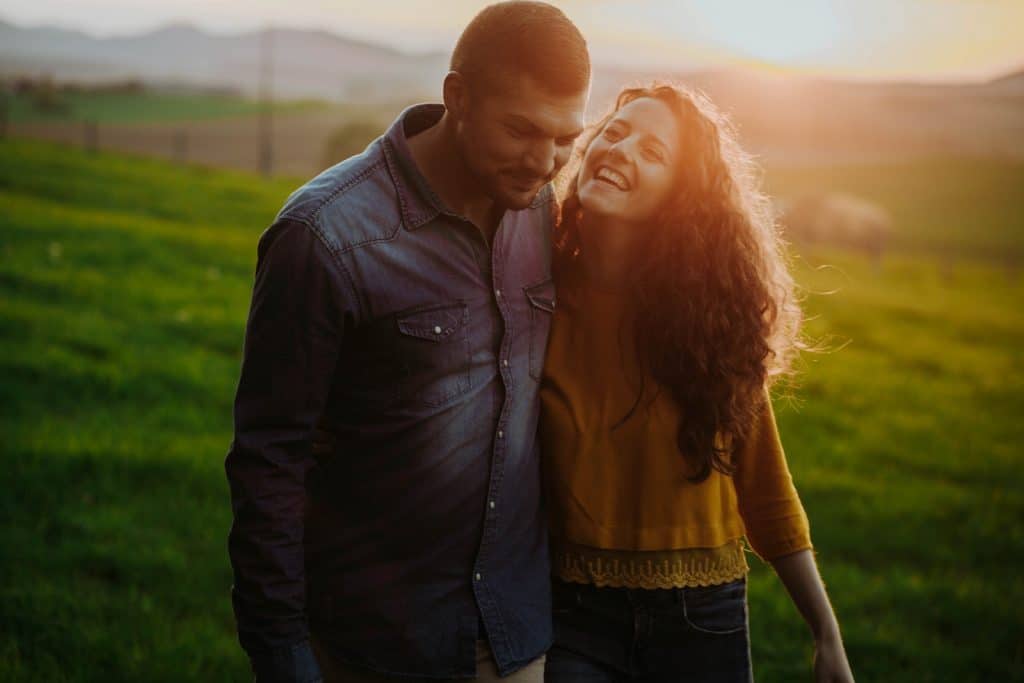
(542, 306)
(432, 352)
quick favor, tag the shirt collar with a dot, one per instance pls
(419, 203)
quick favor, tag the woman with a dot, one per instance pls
(676, 312)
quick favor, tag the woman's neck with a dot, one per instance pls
(607, 252)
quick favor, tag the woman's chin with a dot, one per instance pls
(596, 202)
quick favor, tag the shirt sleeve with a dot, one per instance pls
(300, 304)
(772, 513)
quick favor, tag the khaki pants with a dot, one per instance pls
(335, 671)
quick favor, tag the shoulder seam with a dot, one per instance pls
(346, 273)
(347, 185)
(313, 219)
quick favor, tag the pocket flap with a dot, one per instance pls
(434, 323)
(542, 295)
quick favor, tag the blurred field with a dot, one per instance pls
(789, 123)
(214, 131)
(142, 107)
(124, 287)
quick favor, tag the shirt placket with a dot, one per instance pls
(488, 607)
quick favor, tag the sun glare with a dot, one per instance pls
(793, 32)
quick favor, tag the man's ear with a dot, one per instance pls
(456, 95)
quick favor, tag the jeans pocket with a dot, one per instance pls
(564, 598)
(717, 610)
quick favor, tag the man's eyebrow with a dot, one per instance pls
(533, 128)
(575, 134)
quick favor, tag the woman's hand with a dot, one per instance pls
(830, 663)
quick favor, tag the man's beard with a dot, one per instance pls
(490, 185)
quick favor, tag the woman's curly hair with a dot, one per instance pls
(716, 314)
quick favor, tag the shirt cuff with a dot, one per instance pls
(778, 547)
(294, 663)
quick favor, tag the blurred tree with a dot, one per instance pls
(837, 219)
(350, 139)
(47, 97)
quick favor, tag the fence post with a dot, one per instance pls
(180, 146)
(91, 134)
(5, 106)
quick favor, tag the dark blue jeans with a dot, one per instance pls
(631, 634)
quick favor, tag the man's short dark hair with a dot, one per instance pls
(520, 36)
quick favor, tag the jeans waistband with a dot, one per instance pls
(637, 596)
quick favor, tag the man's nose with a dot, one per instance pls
(540, 158)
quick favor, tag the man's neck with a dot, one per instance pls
(437, 157)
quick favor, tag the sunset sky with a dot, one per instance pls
(920, 39)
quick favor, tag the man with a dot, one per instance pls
(401, 306)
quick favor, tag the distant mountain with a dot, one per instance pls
(305, 63)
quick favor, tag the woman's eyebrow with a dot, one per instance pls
(621, 123)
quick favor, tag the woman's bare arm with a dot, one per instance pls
(799, 574)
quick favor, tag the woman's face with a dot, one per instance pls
(627, 172)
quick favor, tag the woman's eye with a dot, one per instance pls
(653, 154)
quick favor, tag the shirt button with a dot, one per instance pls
(497, 293)
(501, 434)
(437, 329)
(505, 362)
(478, 577)
(492, 504)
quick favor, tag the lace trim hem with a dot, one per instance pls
(682, 568)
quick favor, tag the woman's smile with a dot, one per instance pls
(606, 174)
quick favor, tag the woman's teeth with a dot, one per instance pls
(612, 176)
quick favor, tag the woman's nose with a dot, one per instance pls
(619, 152)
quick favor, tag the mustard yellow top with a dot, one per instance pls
(621, 509)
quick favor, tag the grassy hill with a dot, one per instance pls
(151, 106)
(124, 287)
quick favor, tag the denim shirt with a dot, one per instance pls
(382, 319)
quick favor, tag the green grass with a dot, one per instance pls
(144, 107)
(124, 286)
